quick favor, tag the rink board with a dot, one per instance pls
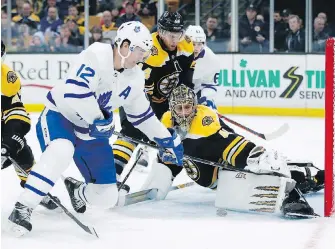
(290, 85)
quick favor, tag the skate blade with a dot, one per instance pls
(16, 230)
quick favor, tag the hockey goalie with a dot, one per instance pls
(265, 183)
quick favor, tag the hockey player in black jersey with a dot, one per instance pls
(15, 124)
(170, 64)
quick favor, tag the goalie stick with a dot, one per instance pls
(87, 229)
(146, 195)
(266, 136)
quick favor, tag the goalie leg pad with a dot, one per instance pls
(242, 191)
(160, 177)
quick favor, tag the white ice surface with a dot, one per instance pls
(187, 218)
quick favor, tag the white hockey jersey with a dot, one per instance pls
(92, 84)
(207, 65)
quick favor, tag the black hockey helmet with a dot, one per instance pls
(171, 21)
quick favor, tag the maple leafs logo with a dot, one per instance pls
(103, 100)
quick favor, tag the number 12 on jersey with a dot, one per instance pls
(85, 72)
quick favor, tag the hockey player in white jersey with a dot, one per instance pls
(207, 65)
(78, 122)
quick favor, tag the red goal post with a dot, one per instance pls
(329, 127)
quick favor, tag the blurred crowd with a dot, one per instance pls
(58, 25)
(253, 31)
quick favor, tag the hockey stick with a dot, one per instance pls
(131, 169)
(146, 195)
(266, 136)
(87, 229)
(200, 160)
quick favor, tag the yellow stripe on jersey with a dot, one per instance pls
(185, 47)
(121, 154)
(18, 117)
(125, 144)
(241, 147)
(229, 147)
(13, 109)
(10, 82)
(167, 120)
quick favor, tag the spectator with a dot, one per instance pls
(64, 42)
(77, 33)
(107, 20)
(212, 32)
(27, 17)
(64, 7)
(19, 8)
(74, 15)
(51, 21)
(4, 28)
(327, 27)
(226, 28)
(96, 35)
(122, 10)
(115, 14)
(38, 43)
(286, 14)
(50, 3)
(252, 32)
(280, 32)
(295, 41)
(319, 35)
(147, 7)
(128, 16)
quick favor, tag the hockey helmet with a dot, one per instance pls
(171, 21)
(183, 100)
(136, 34)
(196, 33)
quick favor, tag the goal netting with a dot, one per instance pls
(329, 127)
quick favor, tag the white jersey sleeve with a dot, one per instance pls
(140, 114)
(207, 65)
(76, 98)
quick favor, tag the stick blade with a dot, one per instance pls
(278, 133)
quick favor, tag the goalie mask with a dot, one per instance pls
(183, 104)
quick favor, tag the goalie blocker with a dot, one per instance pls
(203, 137)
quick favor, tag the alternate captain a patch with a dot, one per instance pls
(207, 120)
(11, 77)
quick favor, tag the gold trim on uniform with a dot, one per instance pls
(241, 147)
(229, 147)
(124, 149)
(18, 113)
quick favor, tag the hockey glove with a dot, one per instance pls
(10, 146)
(171, 150)
(103, 128)
(207, 102)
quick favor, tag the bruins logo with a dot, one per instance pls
(154, 50)
(168, 83)
(187, 39)
(207, 120)
(192, 169)
(11, 77)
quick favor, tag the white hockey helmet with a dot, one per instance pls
(196, 33)
(136, 33)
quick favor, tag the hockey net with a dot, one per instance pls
(330, 128)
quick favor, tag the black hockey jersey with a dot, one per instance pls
(164, 70)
